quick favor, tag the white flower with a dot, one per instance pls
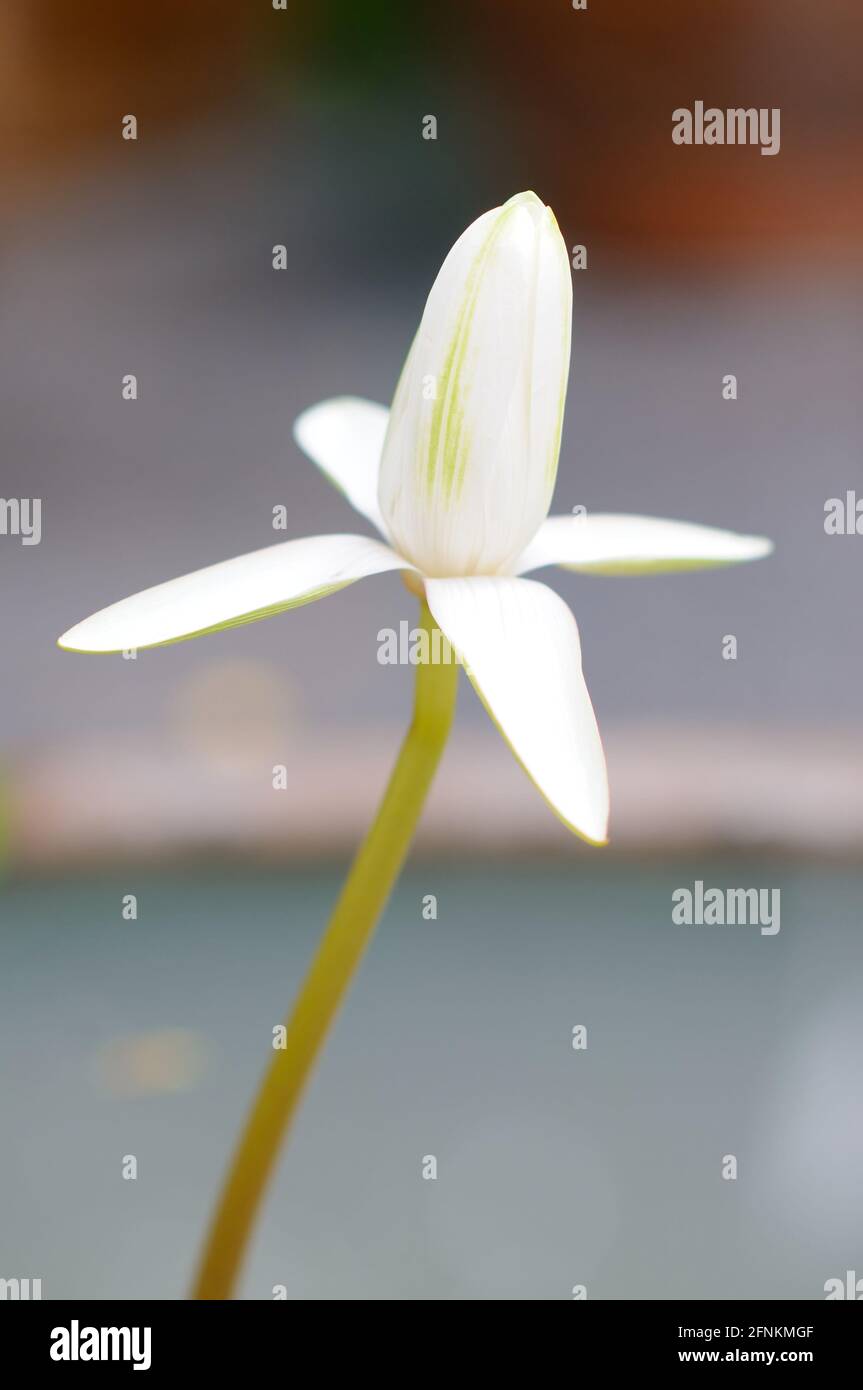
(458, 478)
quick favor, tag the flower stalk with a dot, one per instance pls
(362, 900)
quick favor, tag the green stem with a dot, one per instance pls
(362, 900)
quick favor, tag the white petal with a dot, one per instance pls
(607, 543)
(471, 452)
(236, 591)
(521, 649)
(345, 438)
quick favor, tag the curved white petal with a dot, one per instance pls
(608, 543)
(345, 438)
(471, 452)
(234, 592)
(521, 649)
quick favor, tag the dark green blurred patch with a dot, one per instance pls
(361, 49)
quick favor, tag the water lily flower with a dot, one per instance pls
(457, 479)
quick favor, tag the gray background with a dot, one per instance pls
(555, 1167)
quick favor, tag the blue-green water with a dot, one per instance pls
(555, 1166)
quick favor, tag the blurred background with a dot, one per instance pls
(153, 777)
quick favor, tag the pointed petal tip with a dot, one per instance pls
(531, 203)
(763, 546)
(75, 640)
(67, 641)
(526, 198)
(595, 835)
(597, 842)
(594, 840)
(749, 548)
